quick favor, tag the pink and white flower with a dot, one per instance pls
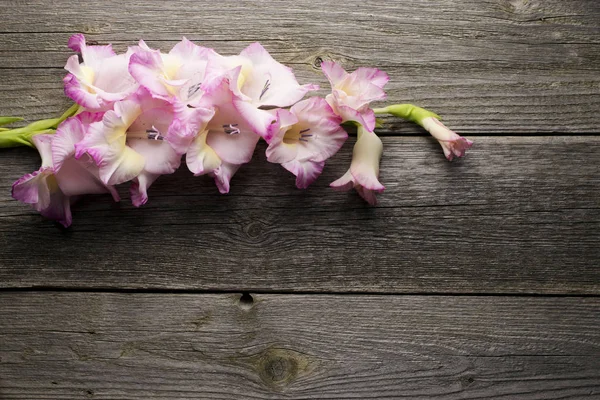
(364, 170)
(219, 147)
(61, 178)
(129, 143)
(101, 79)
(304, 137)
(452, 143)
(175, 76)
(353, 93)
(258, 78)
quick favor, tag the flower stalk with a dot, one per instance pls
(24, 136)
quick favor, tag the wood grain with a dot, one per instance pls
(174, 346)
(517, 215)
(510, 66)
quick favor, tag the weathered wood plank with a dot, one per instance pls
(168, 346)
(517, 215)
(487, 66)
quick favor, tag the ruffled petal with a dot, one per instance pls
(186, 125)
(233, 148)
(146, 67)
(43, 144)
(223, 176)
(67, 135)
(76, 42)
(368, 195)
(113, 81)
(79, 93)
(365, 117)
(333, 72)
(306, 171)
(139, 188)
(41, 190)
(77, 177)
(373, 75)
(345, 183)
(279, 151)
(117, 162)
(160, 157)
(258, 120)
(270, 82)
(195, 60)
(201, 158)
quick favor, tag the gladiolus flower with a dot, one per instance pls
(102, 78)
(453, 144)
(61, 178)
(177, 75)
(364, 169)
(353, 93)
(130, 143)
(228, 139)
(258, 79)
(304, 137)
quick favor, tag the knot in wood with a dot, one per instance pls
(317, 62)
(279, 367)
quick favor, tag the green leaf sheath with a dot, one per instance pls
(408, 112)
(9, 120)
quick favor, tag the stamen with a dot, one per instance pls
(231, 129)
(306, 135)
(154, 134)
(193, 89)
(304, 140)
(305, 130)
(265, 88)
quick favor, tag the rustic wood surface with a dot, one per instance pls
(485, 65)
(190, 346)
(518, 215)
(476, 279)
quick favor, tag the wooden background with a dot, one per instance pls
(476, 279)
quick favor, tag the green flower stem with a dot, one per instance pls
(15, 138)
(73, 110)
(408, 112)
(23, 136)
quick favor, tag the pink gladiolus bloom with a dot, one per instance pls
(228, 139)
(257, 78)
(352, 93)
(304, 137)
(129, 143)
(61, 178)
(452, 144)
(364, 169)
(101, 79)
(177, 75)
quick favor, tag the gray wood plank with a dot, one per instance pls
(189, 346)
(517, 215)
(487, 66)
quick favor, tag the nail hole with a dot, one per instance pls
(246, 301)
(318, 61)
